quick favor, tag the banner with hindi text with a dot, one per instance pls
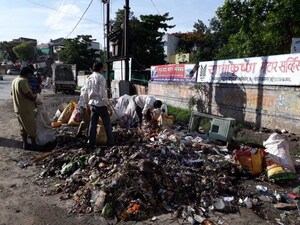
(174, 73)
(267, 70)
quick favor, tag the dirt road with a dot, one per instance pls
(23, 193)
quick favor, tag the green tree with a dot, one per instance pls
(25, 51)
(151, 40)
(79, 51)
(214, 39)
(258, 27)
(189, 41)
(283, 25)
(7, 53)
(203, 42)
(145, 38)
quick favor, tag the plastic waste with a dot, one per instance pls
(68, 167)
(67, 112)
(44, 131)
(248, 203)
(100, 200)
(279, 148)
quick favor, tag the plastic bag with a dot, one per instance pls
(278, 147)
(275, 172)
(56, 116)
(101, 137)
(67, 112)
(117, 114)
(250, 160)
(76, 117)
(44, 131)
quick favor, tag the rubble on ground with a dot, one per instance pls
(149, 173)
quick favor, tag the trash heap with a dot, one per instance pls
(153, 172)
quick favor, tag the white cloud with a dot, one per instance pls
(65, 17)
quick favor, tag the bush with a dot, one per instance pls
(180, 115)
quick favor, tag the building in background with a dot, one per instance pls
(170, 43)
(23, 39)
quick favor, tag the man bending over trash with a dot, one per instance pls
(145, 105)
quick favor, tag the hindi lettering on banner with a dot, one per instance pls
(174, 73)
(270, 70)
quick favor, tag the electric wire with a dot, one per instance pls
(155, 6)
(69, 8)
(57, 12)
(80, 19)
(167, 39)
(48, 7)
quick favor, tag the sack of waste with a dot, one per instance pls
(275, 172)
(278, 147)
(67, 112)
(44, 132)
(101, 138)
(76, 116)
(250, 159)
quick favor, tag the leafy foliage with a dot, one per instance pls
(145, 38)
(258, 27)
(244, 28)
(79, 51)
(6, 51)
(25, 51)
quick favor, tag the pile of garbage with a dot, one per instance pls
(151, 172)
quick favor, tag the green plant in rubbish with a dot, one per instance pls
(107, 210)
(204, 124)
(82, 162)
(68, 168)
(180, 115)
(74, 164)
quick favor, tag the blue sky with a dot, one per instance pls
(52, 19)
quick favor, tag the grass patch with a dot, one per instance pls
(180, 115)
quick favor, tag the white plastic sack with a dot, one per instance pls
(116, 114)
(127, 106)
(45, 133)
(278, 147)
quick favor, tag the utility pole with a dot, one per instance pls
(113, 36)
(108, 81)
(126, 42)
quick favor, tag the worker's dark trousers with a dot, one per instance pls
(140, 114)
(102, 112)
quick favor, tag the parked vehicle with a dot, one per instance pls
(13, 71)
(64, 77)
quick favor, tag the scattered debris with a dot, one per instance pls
(151, 171)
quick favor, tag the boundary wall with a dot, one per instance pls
(274, 107)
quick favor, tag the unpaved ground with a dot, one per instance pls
(23, 193)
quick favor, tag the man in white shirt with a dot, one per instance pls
(98, 101)
(145, 104)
